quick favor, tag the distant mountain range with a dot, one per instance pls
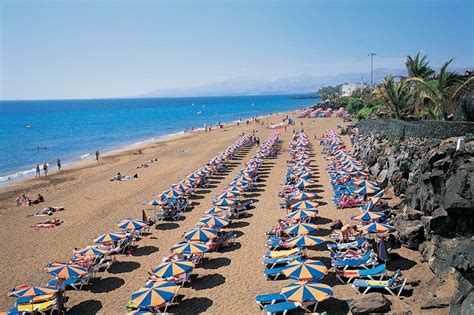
(304, 83)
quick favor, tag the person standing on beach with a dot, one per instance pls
(45, 168)
(97, 154)
(38, 171)
(59, 164)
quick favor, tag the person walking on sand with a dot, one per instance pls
(45, 168)
(59, 164)
(97, 154)
(38, 171)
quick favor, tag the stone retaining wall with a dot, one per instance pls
(432, 129)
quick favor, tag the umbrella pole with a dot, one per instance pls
(315, 306)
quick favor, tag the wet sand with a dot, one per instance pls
(225, 283)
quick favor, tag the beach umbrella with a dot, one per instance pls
(28, 290)
(304, 205)
(375, 199)
(173, 268)
(189, 181)
(302, 214)
(377, 228)
(304, 241)
(364, 183)
(303, 196)
(358, 173)
(367, 190)
(171, 193)
(92, 251)
(308, 269)
(367, 217)
(153, 202)
(226, 202)
(382, 250)
(228, 194)
(201, 234)
(156, 294)
(181, 187)
(300, 228)
(233, 188)
(65, 271)
(131, 224)
(215, 210)
(302, 184)
(189, 248)
(303, 291)
(214, 220)
(110, 237)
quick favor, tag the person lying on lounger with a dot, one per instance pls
(121, 177)
(48, 211)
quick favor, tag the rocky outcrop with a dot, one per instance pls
(436, 216)
(370, 304)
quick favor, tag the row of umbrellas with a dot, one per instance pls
(157, 293)
(306, 272)
(369, 219)
(157, 290)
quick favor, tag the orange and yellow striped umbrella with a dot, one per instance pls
(189, 248)
(110, 237)
(300, 228)
(65, 271)
(155, 294)
(28, 290)
(304, 241)
(305, 270)
(302, 214)
(201, 234)
(303, 291)
(173, 268)
(214, 220)
(377, 228)
(215, 210)
(304, 205)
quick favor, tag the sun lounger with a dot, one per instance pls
(273, 273)
(38, 308)
(281, 261)
(367, 260)
(345, 246)
(361, 273)
(282, 253)
(269, 298)
(75, 283)
(390, 285)
(282, 307)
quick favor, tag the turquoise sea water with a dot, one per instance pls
(73, 129)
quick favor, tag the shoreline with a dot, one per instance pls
(137, 144)
(28, 174)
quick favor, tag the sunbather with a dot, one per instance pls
(121, 177)
(48, 211)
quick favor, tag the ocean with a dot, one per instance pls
(35, 132)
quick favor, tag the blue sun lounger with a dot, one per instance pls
(281, 261)
(345, 246)
(269, 298)
(361, 273)
(367, 260)
(273, 274)
(281, 308)
(390, 285)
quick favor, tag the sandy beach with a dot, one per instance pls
(228, 281)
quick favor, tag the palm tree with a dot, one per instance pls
(441, 93)
(419, 67)
(395, 96)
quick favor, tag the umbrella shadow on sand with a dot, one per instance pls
(208, 281)
(215, 263)
(104, 285)
(123, 267)
(145, 251)
(166, 226)
(86, 307)
(193, 305)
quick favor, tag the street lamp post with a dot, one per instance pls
(371, 55)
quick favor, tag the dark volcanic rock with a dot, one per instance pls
(410, 233)
(370, 303)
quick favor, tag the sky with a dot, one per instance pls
(95, 49)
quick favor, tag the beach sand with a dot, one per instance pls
(227, 282)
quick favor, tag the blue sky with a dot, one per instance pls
(91, 49)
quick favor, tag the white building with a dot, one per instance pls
(348, 89)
